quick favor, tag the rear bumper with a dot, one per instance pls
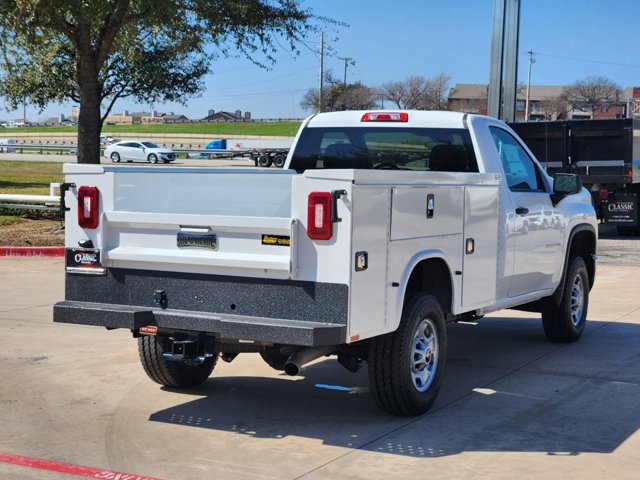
(274, 330)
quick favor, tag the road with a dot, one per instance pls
(512, 405)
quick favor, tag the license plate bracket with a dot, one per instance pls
(84, 261)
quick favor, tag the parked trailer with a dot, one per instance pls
(606, 153)
(261, 157)
(265, 157)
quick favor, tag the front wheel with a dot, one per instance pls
(406, 366)
(167, 372)
(566, 322)
(153, 158)
(115, 157)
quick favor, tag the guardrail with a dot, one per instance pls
(44, 202)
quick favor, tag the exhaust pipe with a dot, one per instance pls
(301, 357)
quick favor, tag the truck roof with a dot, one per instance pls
(416, 118)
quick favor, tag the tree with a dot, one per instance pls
(418, 92)
(591, 93)
(339, 96)
(151, 50)
(552, 108)
(436, 94)
(406, 94)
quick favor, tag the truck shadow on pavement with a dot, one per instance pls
(506, 389)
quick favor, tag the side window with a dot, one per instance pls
(519, 169)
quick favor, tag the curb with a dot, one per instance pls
(48, 252)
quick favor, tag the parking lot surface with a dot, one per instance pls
(512, 405)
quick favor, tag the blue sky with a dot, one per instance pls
(392, 40)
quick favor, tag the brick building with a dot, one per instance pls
(546, 102)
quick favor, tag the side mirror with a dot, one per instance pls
(566, 184)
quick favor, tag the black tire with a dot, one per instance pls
(566, 322)
(152, 158)
(169, 373)
(274, 358)
(264, 160)
(115, 157)
(279, 160)
(394, 381)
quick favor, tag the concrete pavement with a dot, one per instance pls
(512, 405)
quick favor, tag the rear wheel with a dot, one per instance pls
(264, 160)
(406, 366)
(279, 160)
(152, 158)
(115, 157)
(169, 373)
(566, 322)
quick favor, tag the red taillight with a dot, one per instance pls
(88, 206)
(319, 225)
(604, 194)
(385, 117)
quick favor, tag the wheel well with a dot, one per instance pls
(432, 276)
(583, 244)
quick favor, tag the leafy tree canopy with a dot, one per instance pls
(95, 52)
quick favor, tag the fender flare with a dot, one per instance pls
(582, 227)
(417, 258)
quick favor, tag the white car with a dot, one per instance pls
(135, 150)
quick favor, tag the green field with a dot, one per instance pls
(276, 129)
(27, 178)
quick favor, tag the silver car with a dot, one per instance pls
(136, 150)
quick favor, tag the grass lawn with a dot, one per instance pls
(27, 178)
(277, 129)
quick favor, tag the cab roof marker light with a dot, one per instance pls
(385, 117)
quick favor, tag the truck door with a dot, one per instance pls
(534, 225)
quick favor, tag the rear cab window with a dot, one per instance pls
(418, 149)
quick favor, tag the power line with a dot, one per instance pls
(257, 94)
(589, 60)
(268, 80)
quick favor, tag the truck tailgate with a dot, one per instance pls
(201, 220)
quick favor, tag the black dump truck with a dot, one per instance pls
(606, 153)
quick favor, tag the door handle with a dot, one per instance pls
(522, 211)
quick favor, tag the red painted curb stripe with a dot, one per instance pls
(69, 468)
(31, 251)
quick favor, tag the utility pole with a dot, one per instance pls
(347, 61)
(320, 105)
(532, 60)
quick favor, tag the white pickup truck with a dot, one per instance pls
(382, 227)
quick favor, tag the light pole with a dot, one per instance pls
(532, 60)
(347, 61)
